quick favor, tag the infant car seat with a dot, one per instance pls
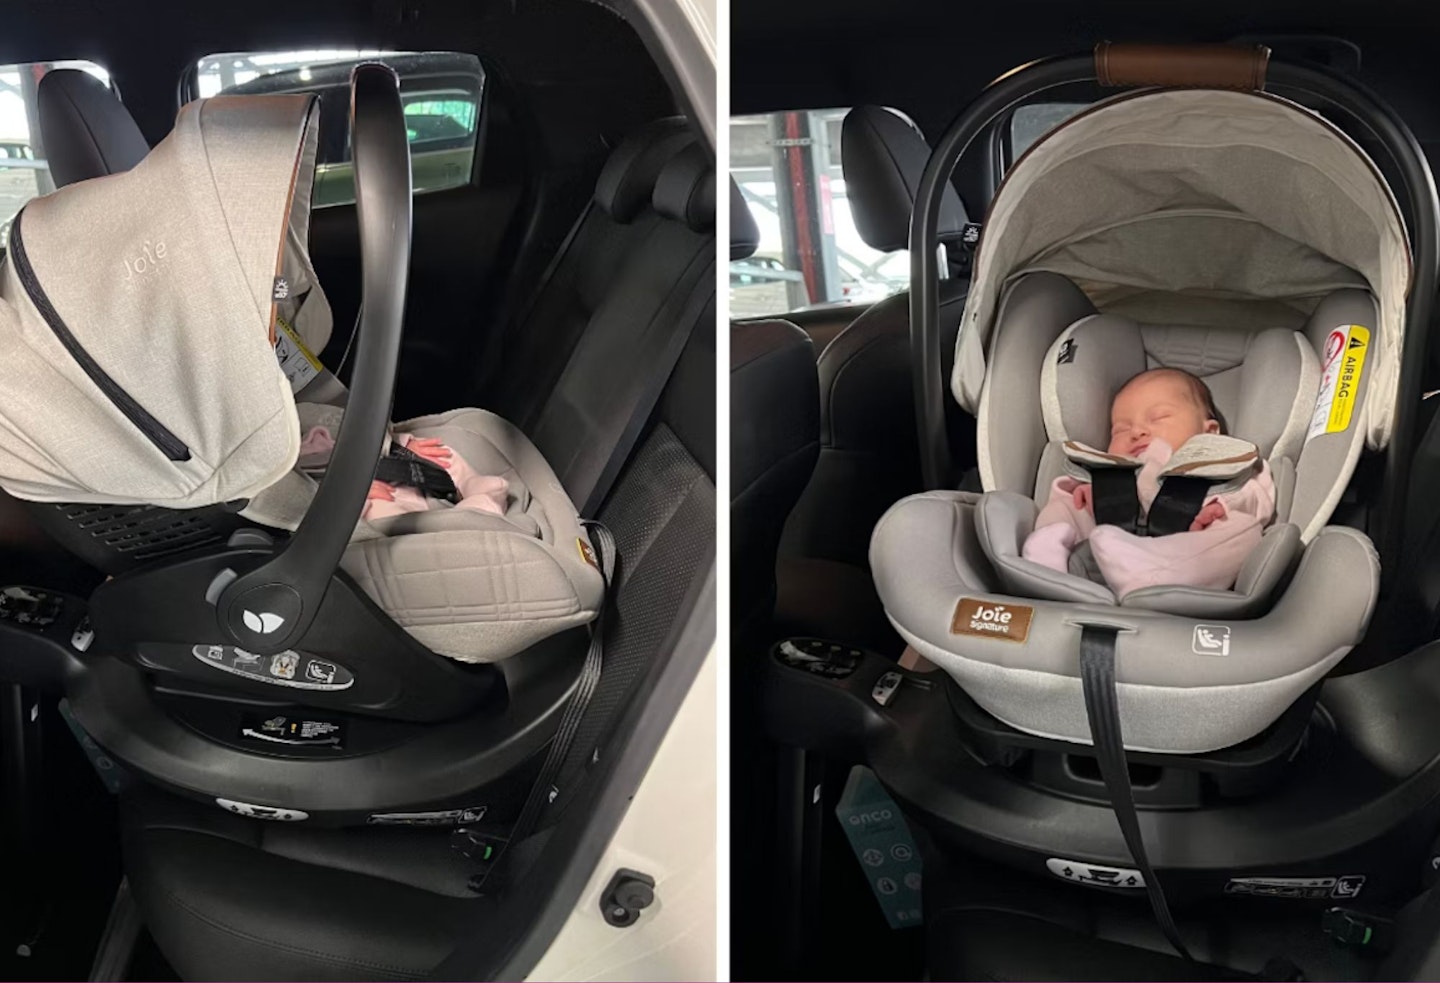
(152, 403)
(1237, 236)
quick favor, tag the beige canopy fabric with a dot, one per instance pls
(138, 315)
(1235, 203)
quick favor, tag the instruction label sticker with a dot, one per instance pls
(1340, 373)
(987, 619)
(296, 361)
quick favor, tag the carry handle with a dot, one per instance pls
(1197, 66)
(270, 608)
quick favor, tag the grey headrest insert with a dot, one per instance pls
(883, 157)
(685, 189)
(1263, 383)
(744, 233)
(628, 178)
(86, 131)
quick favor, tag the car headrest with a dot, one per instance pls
(685, 189)
(628, 178)
(1264, 383)
(744, 233)
(86, 131)
(883, 158)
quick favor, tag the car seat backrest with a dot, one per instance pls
(587, 275)
(661, 290)
(85, 129)
(774, 438)
(867, 415)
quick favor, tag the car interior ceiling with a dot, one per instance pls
(526, 286)
(929, 61)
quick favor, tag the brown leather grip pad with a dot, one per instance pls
(1209, 66)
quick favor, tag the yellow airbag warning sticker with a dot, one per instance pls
(990, 620)
(1344, 362)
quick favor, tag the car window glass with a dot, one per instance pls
(787, 165)
(1030, 123)
(24, 173)
(441, 93)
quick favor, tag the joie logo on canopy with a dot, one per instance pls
(992, 619)
(144, 262)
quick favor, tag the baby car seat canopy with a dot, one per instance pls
(137, 311)
(1214, 207)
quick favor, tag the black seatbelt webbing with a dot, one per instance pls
(1097, 679)
(701, 293)
(544, 791)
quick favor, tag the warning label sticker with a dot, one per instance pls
(1340, 373)
(987, 619)
(296, 361)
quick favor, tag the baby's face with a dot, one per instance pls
(1160, 405)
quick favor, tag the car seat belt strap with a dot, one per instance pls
(545, 790)
(1097, 680)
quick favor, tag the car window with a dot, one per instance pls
(24, 173)
(787, 165)
(441, 93)
(1030, 123)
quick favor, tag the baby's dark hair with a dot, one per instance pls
(1199, 391)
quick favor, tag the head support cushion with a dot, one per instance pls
(883, 158)
(87, 132)
(628, 178)
(744, 233)
(685, 189)
(1263, 383)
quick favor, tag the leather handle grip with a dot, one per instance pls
(1207, 66)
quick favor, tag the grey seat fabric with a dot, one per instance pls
(869, 456)
(1197, 669)
(86, 131)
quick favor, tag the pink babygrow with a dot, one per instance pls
(1211, 557)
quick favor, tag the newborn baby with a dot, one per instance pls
(1152, 417)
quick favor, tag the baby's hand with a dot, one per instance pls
(1083, 498)
(431, 449)
(1208, 515)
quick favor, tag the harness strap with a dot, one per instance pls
(1176, 505)
(404, 467)
(1115, 498)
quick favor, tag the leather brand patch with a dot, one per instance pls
(989, 619)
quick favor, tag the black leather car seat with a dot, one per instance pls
(869, 454)
(774, 439)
